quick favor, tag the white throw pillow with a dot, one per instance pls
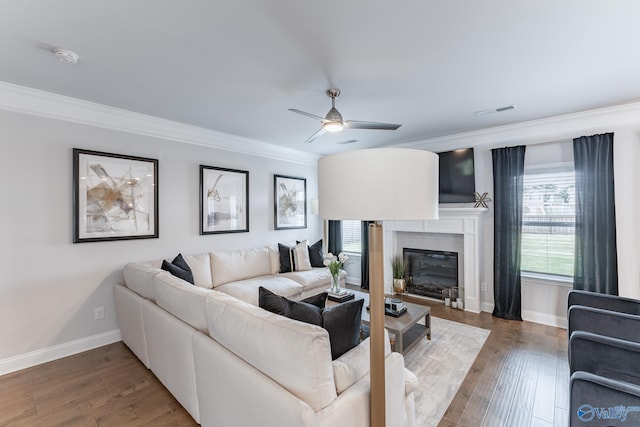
(301, 256)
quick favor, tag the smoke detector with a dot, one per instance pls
(66, 56)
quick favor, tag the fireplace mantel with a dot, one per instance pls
(455, 220)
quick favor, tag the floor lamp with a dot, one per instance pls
(378, 184)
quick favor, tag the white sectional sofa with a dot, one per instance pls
(231, 363)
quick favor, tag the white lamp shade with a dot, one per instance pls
(379, 184)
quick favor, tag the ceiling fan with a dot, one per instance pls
(333, 121)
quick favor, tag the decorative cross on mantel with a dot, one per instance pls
(481, 200)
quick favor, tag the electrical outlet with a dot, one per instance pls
(98, 313)
(483, 286)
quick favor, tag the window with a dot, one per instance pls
(351, 236)
(549, 221)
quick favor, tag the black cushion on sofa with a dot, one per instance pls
(315, 254)
(179, 268)
(343, 321)
(275, 303)
(318, 300)
(270, 301)
(302, 311)
(285, 258)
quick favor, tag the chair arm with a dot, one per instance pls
(603, 301)
(604, 356)
(603, 322)
(599, 401)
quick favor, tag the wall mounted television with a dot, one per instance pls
(457, 178)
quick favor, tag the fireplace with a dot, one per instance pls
(464, 224)
(430, 271)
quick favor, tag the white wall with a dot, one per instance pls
(50, 286)
(545, 302)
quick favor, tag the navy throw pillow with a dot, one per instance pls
(302, 311)
(343, 321)
(285, 258)
(275, 303)
(315, 254)
(179, 268)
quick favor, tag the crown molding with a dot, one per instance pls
(562, 127)
(36, 102)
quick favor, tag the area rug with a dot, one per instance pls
(441, 365)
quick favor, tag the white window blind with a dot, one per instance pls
(351, 236)
(548, 233)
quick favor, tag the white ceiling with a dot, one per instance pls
(237, 66)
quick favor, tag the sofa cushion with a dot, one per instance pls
(314, 279)
(232, 266)
(247, 290)
(286, 258)
(295, 355)
(302, 311)
(300, 257)
(274, 303)
(179, 268)
(315, 254)
(354, 364)
(343, 321)
(184, 301)
(139, 278)
(201, 268)
(274, 256)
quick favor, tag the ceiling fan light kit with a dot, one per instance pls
(333, 121)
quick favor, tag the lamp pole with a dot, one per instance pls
(376, 326)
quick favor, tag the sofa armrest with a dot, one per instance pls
(604, 302)
(411, 382)
(591, 396)
(603, 322)
(352, 407)
(231, 392)
(604, 356)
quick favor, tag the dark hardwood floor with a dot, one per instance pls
(520, 378)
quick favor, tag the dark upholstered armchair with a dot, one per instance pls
(604, 322)
(597, 401)
(604, 302)
(604, 359)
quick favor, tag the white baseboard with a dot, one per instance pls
(486, 306)
(535, 316)
(544, 319)
(27, 360)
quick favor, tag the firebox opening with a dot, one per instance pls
(430, 271)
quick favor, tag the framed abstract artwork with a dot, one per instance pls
(115, 197)
(224, 200)
(290, 202)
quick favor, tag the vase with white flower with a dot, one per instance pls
(335, 264)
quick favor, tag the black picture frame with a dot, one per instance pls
(290, 202)
(224, 200)
(115, 197)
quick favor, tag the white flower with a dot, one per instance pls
(342, 257)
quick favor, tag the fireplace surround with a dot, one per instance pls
(461, 222)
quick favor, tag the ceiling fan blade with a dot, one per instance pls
(304, 113)
(356, 124)
(320, 132)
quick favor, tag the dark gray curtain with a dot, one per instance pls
(364, 256)
(596, 262)
(508, 171)
(334, 245)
